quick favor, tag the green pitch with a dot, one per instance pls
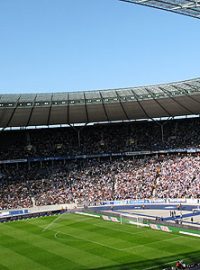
(72, 241)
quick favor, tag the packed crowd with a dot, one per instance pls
(93, 181)
(119, 137)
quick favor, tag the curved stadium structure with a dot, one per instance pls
(147, 102)
(144, 173)
(185, 7)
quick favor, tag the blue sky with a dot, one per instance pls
(70, 45)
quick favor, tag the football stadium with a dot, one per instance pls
(103, 179)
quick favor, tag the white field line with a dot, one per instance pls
(51, 223)
(120, 249)
(97, 243)
(152, 243)
(87, 214)
(138, 224)
(117, 230)
(87, 240)
(191, 234)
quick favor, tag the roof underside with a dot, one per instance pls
(165, 100)
(184, 7)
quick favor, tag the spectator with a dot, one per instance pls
(93, 181)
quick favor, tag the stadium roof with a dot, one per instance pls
(185, 7)
(146, 102)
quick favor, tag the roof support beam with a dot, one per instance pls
(104, 107)
(31, 112)
(49, 115)
(86, 110)
(122, 106)
(189, 96)
(181, 105)
(165, 110)
(192, 4)
(68, 122)
(195, 88)
(140, 105)
(188, 8)
(13, 112)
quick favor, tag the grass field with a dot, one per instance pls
(72, 241)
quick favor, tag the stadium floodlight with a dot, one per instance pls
(185, 7)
